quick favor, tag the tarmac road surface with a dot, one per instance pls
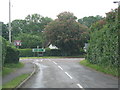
(67, 73)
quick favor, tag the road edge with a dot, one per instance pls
(23, 82)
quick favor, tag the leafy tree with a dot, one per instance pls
(36, 23)
(88, 21)
(103, 45)
(29, 41)
(18, 26)
(66, 33)
(32, 25)
(5, 32)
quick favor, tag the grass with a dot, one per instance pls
(15, 82)
(8, 68)
(81, 56)
(107, 70)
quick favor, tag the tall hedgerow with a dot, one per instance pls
(103, 44)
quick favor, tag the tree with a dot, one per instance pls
(103, 44)
(5, 32)
(18, 27)
(29, 41)
(66, 33)
(32, 24)
(88, 21)
(36, 23)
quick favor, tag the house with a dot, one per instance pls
(52, 46)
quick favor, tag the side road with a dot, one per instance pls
(27, 69)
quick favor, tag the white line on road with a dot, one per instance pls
(37, 60)
(68, 75)
(41, 60)
(54, 62)
(60, 67)
(79, 86)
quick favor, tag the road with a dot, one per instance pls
(67, 73)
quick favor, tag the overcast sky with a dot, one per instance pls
(51, 8)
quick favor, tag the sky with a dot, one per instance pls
(51, 8)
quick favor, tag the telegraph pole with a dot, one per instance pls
(10, 22)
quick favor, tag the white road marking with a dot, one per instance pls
(79, 86)
(37, 60)
(54, 62)
(60, 67)
(41, 60)
(68, 75)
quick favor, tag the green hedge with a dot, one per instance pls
(26, 53)
(52, 52)
(12, 55)
(48, 52)
(4, 48)
(103, 45)
(9, 53)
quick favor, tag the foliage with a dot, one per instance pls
(15, 82)
(12, 55)
(67, 34)
(52, 52)
(29, 41)
(8, 68)
(88, 21)
(32, 25)
(26, 53)
(18, 27)
(103, 45)
(4, 49)
(5, 31)
(107, 70)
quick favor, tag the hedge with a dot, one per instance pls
(52, 52)
(12, 55)
(4, 48)
(48, 52)
(103, 44)
(9, 53)
(26, 53)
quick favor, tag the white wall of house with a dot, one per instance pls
(52, 46)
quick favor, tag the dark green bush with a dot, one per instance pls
(26, 53)
(103, 45)
(12, 55)
(4, 48)
(52, 52)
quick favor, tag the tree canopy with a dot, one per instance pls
(66, 33)
(88, 21)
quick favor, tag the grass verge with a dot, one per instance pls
(107, 70)
(8, 68)
(81, 56)
(15, 82)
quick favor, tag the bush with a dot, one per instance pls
(103, 45)
(52, 52)
(4, 48)
(12, 55)
(26, 53)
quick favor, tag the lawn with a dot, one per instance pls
(8, 68)
(107, 70)
(15, 82)
(81, 56)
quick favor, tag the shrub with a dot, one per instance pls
(103, 45)
(26, 53)
(4, 48)
(52, 52)
(12, 55)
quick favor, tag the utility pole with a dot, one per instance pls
(10, 22)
